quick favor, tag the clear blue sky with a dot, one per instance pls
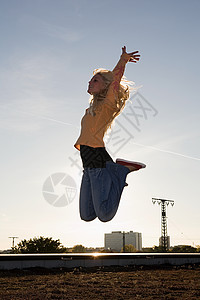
(48, 52)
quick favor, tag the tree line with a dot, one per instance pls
(48, 245)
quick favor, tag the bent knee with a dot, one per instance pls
(87, 218)
(105, 217)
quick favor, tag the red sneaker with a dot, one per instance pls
(127, 163)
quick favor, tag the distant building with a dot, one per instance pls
(7, 251)
(161, 241)
(114, 240)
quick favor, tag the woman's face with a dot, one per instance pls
(96, 85)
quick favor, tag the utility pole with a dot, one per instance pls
(163, 203)
(124, 250)
(13, 240)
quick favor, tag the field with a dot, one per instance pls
(101, 283)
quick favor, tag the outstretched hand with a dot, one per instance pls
(134, 57)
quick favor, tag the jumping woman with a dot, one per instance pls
(103, 180)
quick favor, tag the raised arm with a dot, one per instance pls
(119, 69)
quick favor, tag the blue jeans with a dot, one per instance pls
(101, 190)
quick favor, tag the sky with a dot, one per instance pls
(49, 50)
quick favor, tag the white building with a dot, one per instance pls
(117, 239)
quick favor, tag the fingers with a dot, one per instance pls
(133, 53)
(134, 56)
(124, 49)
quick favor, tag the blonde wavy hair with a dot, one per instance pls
(125, 87)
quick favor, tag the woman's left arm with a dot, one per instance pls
(119, 69)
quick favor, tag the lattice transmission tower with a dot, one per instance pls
(164, 237)
(13, 240)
